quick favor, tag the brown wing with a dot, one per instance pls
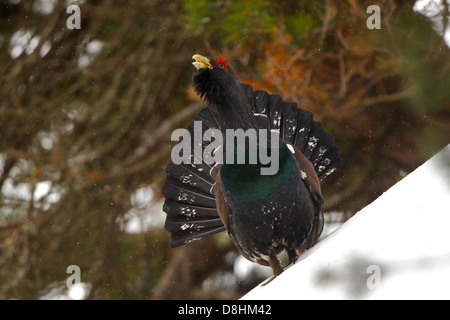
(222, 206)
(310, 176)
(311, 179)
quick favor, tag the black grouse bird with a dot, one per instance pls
(263, 214)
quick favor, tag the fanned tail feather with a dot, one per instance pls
(190, 204)
(297, 127)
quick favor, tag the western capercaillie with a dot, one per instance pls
(264, 214)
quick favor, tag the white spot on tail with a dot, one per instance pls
(312, 143)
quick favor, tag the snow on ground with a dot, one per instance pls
(78, 291)
(398, 247)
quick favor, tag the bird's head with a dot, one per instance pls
(214, 81)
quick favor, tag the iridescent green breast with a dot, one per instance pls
(246, 179)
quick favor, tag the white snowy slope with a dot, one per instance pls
(398, 247)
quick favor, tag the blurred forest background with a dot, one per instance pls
(86, 117)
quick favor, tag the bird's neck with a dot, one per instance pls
(235, 112)
(246, 140)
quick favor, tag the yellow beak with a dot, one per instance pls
(201, 62)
